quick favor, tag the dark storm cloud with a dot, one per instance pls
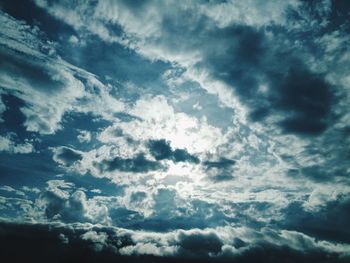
(79, 243)
(307, 99)
(248, 58)
(315, 172)
(66, 156)
(222, 163)
(44, 243)
(329, 222)
(138, 164)
(198, 214)
(65, 209)
(333, 155)
(222, 176)
(199, 244)
(220, 170)
(249, 61)
(161, 150)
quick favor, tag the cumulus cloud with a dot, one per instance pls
(63, 202)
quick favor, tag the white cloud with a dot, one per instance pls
(221, 241)
(158, 120)
(8, 145)
(2, 109)
(62, 202)
(11, 189)
(84, 136)
(56, 89)
(34, 190)
(98, 239)
(73, 39)
(251, 12)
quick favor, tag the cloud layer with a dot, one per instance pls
(166, 131)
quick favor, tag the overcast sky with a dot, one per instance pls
(160, 131)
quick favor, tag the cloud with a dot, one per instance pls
(2, 110)
(199, 243)
(66, 156)
(138, 164)
(287, 90)
(68, 210)
(221, 163)
(295, 99)
(61, 202)
(215, 133)
(209, 245)
(156, 119)
(161, 149)
(308, 102)
(328, 222)
(220, 170)
(31, 189)
(98, 239)
(48, 85)
(8, 145)
(32, 67)
(11, 189)
(248, 56)
(84, 136)
(249, 48)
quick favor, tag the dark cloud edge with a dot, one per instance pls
(56, 242)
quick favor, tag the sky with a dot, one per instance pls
(172, 131)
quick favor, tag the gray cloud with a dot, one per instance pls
(220, 170)
(136, 165)
(161, 150)
(113, 244)
(70, 209)
(328, 221)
